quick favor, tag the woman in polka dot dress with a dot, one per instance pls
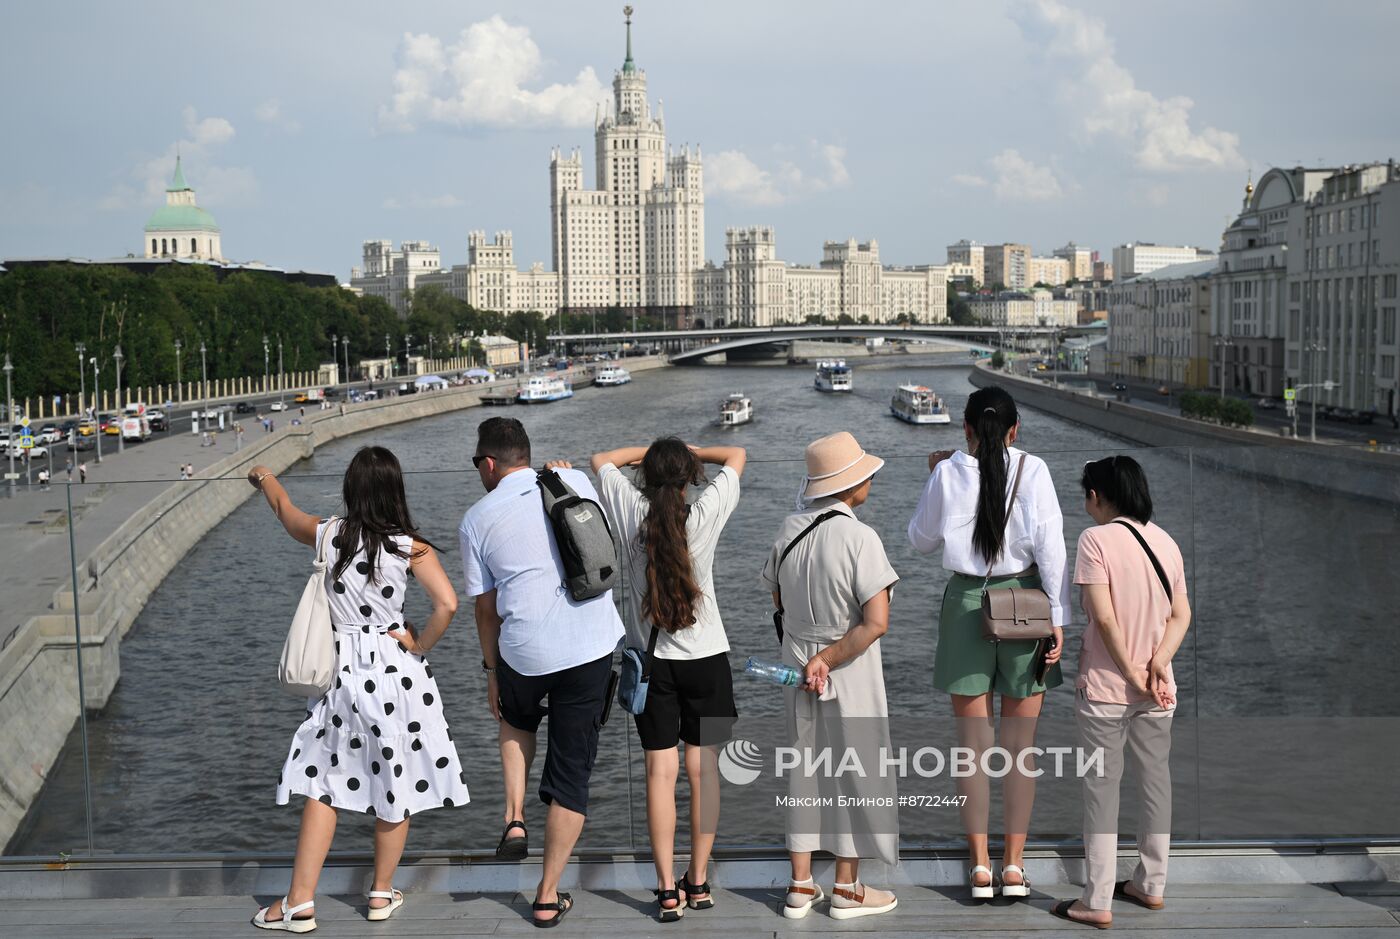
(377, 741)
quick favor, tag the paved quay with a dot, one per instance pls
(1324, 911)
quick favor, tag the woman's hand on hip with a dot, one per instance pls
(814, 675)
(1057, 647)
(408, 638)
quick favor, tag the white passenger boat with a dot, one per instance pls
(612, 375)
(540, 389)
(917, 404)
(735, 410)
(833, 375)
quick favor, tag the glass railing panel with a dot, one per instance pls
(1296, 641)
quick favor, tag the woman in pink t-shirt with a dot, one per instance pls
(1134, 595)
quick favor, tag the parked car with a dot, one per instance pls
(243, 407)
(158, 419)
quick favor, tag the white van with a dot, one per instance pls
(136, 426)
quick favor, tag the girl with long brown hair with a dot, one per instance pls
(670, 549)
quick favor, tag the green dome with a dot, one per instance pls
(181, 218)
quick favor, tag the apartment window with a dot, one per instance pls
(1388, 287)
(1388, 326)
(1387, 366)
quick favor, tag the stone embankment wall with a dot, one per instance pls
(38, 669)
(1350, 470)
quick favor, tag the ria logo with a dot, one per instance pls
(740, 762)
(582, 516)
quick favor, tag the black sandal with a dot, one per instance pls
(692, 889)
(669, 914)
(513, 849)
(564, 904)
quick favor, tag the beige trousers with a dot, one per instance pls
(1144, 731)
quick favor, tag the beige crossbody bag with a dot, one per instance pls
(1012, 613)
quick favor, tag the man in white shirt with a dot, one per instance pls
(537, 643)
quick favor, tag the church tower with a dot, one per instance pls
(180, 228)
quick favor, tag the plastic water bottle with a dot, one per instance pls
(784, 675)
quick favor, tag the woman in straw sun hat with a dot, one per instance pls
(832, 584)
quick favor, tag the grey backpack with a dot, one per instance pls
(581, 531)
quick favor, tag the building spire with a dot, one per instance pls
(627, 65)
(178, 184)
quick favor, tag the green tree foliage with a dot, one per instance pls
(1208, 407)
(998, 360)
(959, 310)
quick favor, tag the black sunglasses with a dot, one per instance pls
(476, 460)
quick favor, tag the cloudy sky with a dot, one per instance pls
(309, 127)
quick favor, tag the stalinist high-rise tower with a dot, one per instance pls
(636, 240)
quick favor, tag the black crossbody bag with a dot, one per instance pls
(1156, 564)
(778, 613)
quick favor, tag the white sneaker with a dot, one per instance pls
(860, 900)
(801, 898)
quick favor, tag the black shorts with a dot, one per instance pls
(576, 699)
(690, 700)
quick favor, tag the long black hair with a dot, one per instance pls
(376, 510)
(1119, 481)
(990, 413)
(671, 593)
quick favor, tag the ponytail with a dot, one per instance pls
(990, 413)
(671, 592)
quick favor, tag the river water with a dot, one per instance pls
(1293, 594)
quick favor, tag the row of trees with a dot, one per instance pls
(1209, 407)
(46, 311)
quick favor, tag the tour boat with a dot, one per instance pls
(834, 375)
(612, 375)
(544, 388)
(917, 404)
(735, 410)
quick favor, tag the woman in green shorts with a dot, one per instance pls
(964, 512)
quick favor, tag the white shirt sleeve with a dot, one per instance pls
(475, 573)
(1049, 541)
(716, 504)
(926, 525)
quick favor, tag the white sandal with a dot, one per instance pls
(377, 913)
(801, 898)
(980, 892)
(1023, 889)
(286, 923)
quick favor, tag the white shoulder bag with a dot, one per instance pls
(308, 656)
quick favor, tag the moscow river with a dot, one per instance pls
(1294, 616)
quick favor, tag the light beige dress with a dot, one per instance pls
(825, 582)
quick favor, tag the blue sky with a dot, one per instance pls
(309, 127)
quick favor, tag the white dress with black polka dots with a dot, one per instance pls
(377, 741)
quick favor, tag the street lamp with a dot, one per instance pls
(265, 365)
(203, 379)
(1222, 343)
(1315, 346)
(281, 376)
(96, 408)
(407, 350)
(179, 390)
(389, 356)
(345, 344)
(117, 355)
(82, 378)
(10, 420)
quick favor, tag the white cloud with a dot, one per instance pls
(480, 78)
(1104, 95)
(270, 112)
(971, 180)
(1020, 180)
(215, 183)
(734, 175)
(445, 201)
